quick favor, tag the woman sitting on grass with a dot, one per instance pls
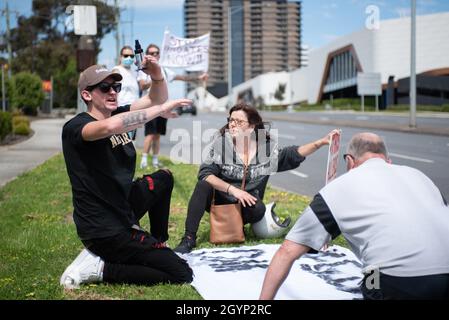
(243, 141)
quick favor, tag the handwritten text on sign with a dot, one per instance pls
(192, 54)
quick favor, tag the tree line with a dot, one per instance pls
(43, 47)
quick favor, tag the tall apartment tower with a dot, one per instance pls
(265, 37)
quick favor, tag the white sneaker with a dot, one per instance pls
(143, 163)
(155, 163)
(86, 268)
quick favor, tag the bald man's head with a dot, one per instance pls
(365, 143)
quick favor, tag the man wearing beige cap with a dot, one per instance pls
(108, 204)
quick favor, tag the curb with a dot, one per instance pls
(341, 123)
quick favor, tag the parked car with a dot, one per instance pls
(187, 109)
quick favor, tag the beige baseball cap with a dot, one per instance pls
(94, 75)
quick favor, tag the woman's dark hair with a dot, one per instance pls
(124, 48)
(254, 118)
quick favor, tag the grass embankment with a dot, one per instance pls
(38, 238)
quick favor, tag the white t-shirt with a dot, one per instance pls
(168, 74)
(393, 217)
(130, 87)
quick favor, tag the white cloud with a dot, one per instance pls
(403, 12)
(329, 37)
(329, 9)
(365, 3)
(426, 3)
(153, 4)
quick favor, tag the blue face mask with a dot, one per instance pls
(128, 61)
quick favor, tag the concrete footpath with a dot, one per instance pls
(24, 156)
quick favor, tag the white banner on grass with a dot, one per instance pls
(238, 273)
(191, 54)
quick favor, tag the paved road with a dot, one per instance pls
(428, 153)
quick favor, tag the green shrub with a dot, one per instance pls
(350, 103)
(16, 113)
(5, 124)
(22, 128)
(274, 108)
(16, 120)
(445, 108)
(65, 86)
(28, 94)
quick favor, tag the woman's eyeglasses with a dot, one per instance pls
(238, 122)
(155, 53)
(106, 86)
(128, 55)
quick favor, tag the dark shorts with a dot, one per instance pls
(156, 126)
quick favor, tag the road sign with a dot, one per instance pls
(85, 20)
(369, 84)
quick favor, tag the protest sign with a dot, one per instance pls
(332, 159)
(191, 54)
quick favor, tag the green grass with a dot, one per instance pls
(38, 238)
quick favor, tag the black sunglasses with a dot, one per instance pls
(155, 53)
(106, 86)
(128, 55)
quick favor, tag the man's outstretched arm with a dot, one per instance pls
(280, 267)
(128, 121)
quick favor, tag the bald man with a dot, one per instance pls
(394, 218)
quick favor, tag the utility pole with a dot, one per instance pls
(8, 39)
(3, 89)
(413, 67)
(117, 30)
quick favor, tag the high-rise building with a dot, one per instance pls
(265, 37)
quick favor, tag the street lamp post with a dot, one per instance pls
(413, 67)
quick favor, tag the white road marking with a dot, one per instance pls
(364, 118)
(287, 136)
(410, 158)
(324, 118)
(299, 174)
(299, 127)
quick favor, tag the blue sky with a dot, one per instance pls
(323, 20)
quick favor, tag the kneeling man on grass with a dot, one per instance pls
(100, 159)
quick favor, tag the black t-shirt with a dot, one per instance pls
(101, 174)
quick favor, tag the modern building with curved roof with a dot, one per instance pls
(332, 70)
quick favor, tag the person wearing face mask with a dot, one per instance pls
(130, 86)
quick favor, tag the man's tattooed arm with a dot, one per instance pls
(134, 118)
